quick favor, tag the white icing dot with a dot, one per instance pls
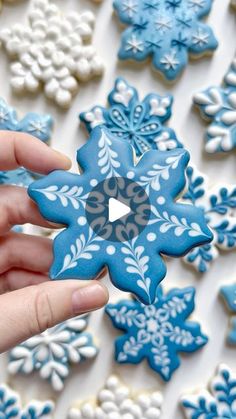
(93, 182)
(151, 237)
(130, 175)
(111, 250)
(161, 200)
(82, 221)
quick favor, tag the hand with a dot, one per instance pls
(29, 302)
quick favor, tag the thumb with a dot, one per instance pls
(32, 310)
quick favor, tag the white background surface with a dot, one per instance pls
(198, 368)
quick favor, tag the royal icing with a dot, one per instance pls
(219, 206)
(11, 406)
(138, 122)
(167, 30)
(157, 332)
(116, 401)
(218, 402)
(228, 292)
(156, 224)
(52, 352)
(218, 105)
(53, 51)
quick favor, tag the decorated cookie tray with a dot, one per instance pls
(132, 360)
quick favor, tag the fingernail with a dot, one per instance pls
(89, 298)
(66, 160)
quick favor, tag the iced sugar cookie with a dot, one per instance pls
(53, 51)
(228, 292)
(218, 106)
(53, 351)
(218, 402)
(141, 123)
(166, 30)
(11, 406)
(157, 332)
(117, 401)
(131, 245)
(219, 205)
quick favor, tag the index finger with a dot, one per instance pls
(20, 149)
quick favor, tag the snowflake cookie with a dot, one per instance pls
(228, 292)
(11, 406)
(156, 224)
(157, 332)
(217, 403)
(218, 105)
(167, 30)
(139, 123)
(52, 352)
(116, 401)
(52, 51)
(219, 206)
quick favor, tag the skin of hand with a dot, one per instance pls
(29, 302)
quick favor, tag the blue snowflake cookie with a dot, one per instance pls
(157, 332)
(135, 263)
(133, 121)
(228, 292)
(219, 206)
(11, 406)
(218, 106)
(52, 352)
(167, 30)
(217, 403)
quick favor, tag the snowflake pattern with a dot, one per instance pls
(218, 403)
(218, 106)
(117, 401)
(157, 332)
(139, 123)
(52, 352)
(11, 407)
(52, 51)
(167, 30)
(219, 204)
(135, 263)
(228, 292)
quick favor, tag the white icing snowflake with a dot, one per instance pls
(116, 401)
(200, 38)
(130, 7)
(170, 61)
(197, 4)
(163, 23)
(134, 44)
(52, 351)
(52, 50)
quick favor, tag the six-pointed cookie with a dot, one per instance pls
(157, 332)
(118, 401)
(219, 205)
(218, 106)
(141, 123)
(166, 30)
(131, 247)
(218, 402)
(228, 292)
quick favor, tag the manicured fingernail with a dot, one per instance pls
(66, 161)
(89, 298)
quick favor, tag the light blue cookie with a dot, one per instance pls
(228, 292)
(53, 351)
(11, 406)
(157, 332)
(141, 123)
(217, 403)
(156, 224)
(219, 205)
(167, 30)
(218, 106)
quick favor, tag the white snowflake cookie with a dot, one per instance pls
(52, 51)
(117, 401)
